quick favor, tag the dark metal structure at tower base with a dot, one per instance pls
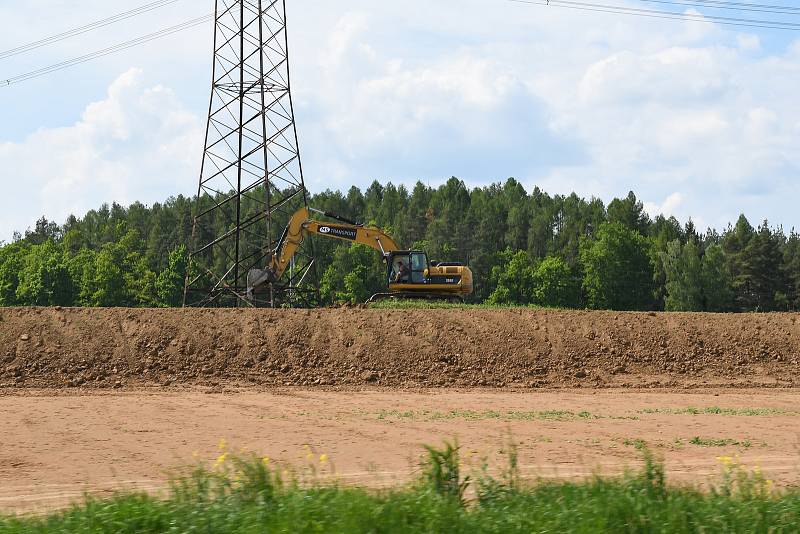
(251, 179)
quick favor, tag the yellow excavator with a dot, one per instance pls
(409, 273)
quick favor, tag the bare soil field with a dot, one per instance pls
(101, 400)
(54, 447)
(519, 348)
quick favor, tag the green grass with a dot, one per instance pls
(716, 410)
(719, 442)
(638, 444)
(483, 415)
(249, 496)
(420, 304)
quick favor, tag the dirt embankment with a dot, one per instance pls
(108, 348)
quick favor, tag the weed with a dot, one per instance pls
(638, 444)
(716, 410)
(711, 442)
(491, 490)
(442, 472)
(248, 495)
(472, 415)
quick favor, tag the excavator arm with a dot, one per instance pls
(300, 225)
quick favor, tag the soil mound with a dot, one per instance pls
(108, 348)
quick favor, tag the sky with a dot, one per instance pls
(702, 121)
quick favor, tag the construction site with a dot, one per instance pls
(334, 338)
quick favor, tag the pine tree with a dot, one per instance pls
(734, 243)
(791, 262)
(762, 283)
(718, 293)
(630, 213)
(684, 276)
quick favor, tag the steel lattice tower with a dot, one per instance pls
(251, 178)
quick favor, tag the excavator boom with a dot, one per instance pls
(301, 224)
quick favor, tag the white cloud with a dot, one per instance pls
(133, 145)
(748, 41)
(666, 208)
(599, 105)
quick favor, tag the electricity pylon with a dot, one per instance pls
(251, 178)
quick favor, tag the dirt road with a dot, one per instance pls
(54, 447)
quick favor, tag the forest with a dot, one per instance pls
(525, 248)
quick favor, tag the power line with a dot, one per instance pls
(106, 51)
(732, 6)
(568, 4)
(652, 13)
(748, 4)
(85, 28)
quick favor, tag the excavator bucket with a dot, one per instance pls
(257, 278)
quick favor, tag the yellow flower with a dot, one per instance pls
(727, 461)
(323, 459)
(221, 459)
(222, 444)
(265, 461)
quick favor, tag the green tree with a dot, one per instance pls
(43, 231)
(555, 285)
(617, 271)
(717, 291)
(82, 267)
(662, 231)
(171, 281)
(513, 279)
(484, 213)
(122, 256)
(417, 214)
(44, 279)
(12, 258)
(791, 261)
(683, 268)
(117, 275)
(734, 242)
(761, 281)
(107, 286)
(355, 274)
(630, 213)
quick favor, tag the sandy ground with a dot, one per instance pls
(54, 447)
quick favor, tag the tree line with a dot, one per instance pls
(524, 248)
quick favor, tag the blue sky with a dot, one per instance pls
(700, 120)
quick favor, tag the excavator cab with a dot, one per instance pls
(411, 275)
(408, 267)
